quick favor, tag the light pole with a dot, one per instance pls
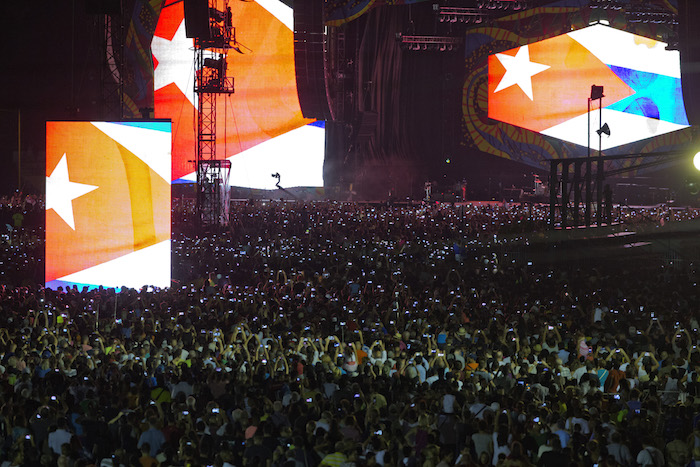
(19, 144)
(596, 94)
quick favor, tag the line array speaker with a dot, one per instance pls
(103, 7)
(197, 19)
(308, 59)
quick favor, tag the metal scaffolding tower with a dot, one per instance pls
(212, 81)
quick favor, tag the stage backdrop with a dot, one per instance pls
(108, 203)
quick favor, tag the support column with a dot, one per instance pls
(564, 194)
(600, 176)
(553, 166)
(577, 192)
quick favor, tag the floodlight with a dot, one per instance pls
(596, 92)
(604, 130)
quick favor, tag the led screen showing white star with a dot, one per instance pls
(259, 128)
(108, 204)
(545, 87)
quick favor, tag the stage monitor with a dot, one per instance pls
(545, 87)
(108, 204)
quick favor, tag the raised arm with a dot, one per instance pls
(324, 344)
(625, 357)
(245, 347)
(219, 341)
(362, 340)
(517, 341)
(337, 348)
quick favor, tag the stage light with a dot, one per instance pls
(696, 161)
(596, 92)
(604, 130)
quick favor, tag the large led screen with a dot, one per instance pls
(108, 204)
(260, 127)
(545, 87)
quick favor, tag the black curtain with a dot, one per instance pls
(407, 106)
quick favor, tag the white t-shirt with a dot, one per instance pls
(573, 421)
(650, 457)
(431, 380)
(448, 403)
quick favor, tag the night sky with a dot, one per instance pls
(51, 55)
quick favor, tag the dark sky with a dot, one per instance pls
(50, 56)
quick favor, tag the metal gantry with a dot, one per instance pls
(567, 177)
(211, 54)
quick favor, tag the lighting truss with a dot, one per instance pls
(507, 5)
(432, 43)
(606, 4)
(451, 14)
(642, 13)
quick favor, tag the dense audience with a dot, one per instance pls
(343, 334)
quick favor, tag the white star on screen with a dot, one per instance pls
(175, 62)
(60, 192)
(519, 71)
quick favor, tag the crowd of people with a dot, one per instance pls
(346, 334)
